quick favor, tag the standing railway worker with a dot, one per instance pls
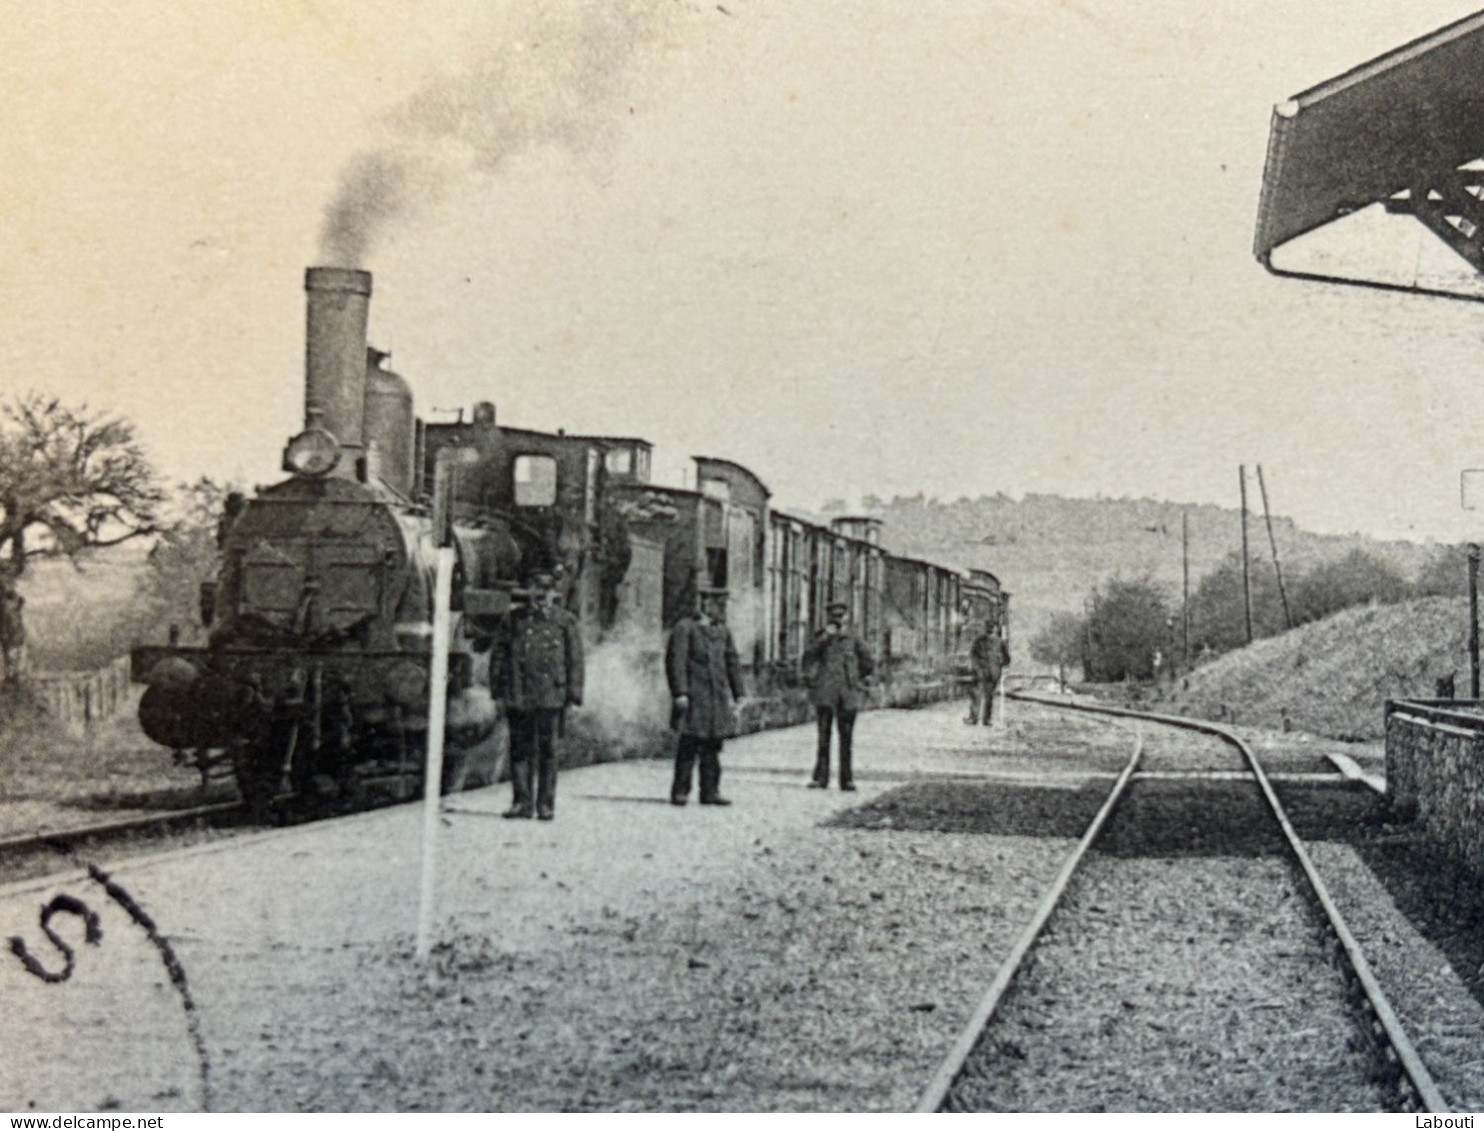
(836, 667)
(989, 656)
(705, 678)
(541, 676)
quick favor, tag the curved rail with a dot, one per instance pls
(1416, 1085)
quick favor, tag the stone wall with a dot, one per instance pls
(1435, 774)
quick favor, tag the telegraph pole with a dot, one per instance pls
(1185, 594)
(1273, 542)
(1246, 579)
(1474, 620)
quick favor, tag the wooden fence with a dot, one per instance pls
(78, 700)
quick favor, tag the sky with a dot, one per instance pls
(865, 248)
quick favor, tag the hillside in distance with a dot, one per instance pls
(1050, 551)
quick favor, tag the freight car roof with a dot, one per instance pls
(703, 463)
(927, 564)
(821, 527)
(612, 440)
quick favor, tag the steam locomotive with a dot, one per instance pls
(314, 676)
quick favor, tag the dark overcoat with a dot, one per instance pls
(539, 664)
(989, 655)
(701, 663)
(835, 668)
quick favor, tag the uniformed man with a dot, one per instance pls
(836, 668)
(705, 678)
(989, 656)
(542, 670)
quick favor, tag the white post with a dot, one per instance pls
(437, 716)
(999, 714)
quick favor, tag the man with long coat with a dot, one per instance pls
(540, 676)
(836, 668)
(989, 656)
(705, 678)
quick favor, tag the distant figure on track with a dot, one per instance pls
(541, 670)
(836, 668)
(989, 657)
(705, 678)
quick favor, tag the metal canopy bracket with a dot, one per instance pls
(1405, 131)
(1451, 208)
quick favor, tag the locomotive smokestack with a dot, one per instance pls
(335, 358)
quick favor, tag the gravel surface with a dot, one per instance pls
(809, 982)
(1175, 985)
(53, 779)
(1438, 1008)
(761, 936)
(1248, 1013)
(803, 950)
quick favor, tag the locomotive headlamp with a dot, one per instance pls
(312, 452)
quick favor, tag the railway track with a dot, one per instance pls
(67, 840)
(286, 808)
(965, 1079)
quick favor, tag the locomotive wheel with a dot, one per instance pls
(262, 761)
(258, 767)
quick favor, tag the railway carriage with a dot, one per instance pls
(982, 599)
(925, 623)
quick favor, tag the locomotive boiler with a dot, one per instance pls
(314, 677)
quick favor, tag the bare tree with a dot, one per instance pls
(70, 480)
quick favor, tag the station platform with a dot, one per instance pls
(279, 972)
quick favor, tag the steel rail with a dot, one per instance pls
(936, 1093)
(61, 838)
(1417, 1078)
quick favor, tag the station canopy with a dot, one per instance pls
(1400, 135)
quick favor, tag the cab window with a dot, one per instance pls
(535, 481)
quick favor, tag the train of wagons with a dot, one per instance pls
(313, 678)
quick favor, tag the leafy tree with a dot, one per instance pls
(184, 556)
(1128, 625)
(1062, 641)
(1218, 618)
(1356, 579)
(1445, 574)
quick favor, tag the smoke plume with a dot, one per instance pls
(626, 702)
(564, 76)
